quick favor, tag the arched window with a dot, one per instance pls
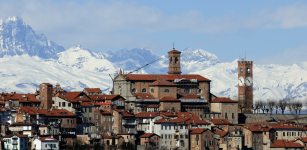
(187, 90)
(133, 90)
(241, 70)
(152, 90)
(171, 60)
(166, 91)
(248, 70)
(144, 90)
(199, 91)
(176, 60)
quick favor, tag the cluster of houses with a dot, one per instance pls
(156, 112)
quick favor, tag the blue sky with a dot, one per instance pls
(269, 31)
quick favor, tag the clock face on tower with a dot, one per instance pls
(249, 81)
(241, 81)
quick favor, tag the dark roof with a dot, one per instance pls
(162, 82)
(169, 99)
(223, 100)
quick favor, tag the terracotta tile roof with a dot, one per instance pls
(162, 120)
(75, 96)
(198, 131)
(110, 137)
(189, 96)
(48, 139)
(93, 90)
(162, 82)
(221, 133)
(117, 110)
(28, 109)
(169, 99)
(127, 115)
(147, 135)
(48, 84)
(168, 114)
(286, 125)
(143, 96)
(168, 77)
(102, 103)
(187, 115)
(286, 144)
(25, 98)
(21, 124)
(10, 135)
(2, 140)
(56, 113)
(197, 121)
(146, 114)
(87, 104)
(304, 139)
(220, 121)
(104, 112)
(152, 106)
(174, 51)
(223, 100)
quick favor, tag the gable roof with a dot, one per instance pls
(147, 135)
(221, 133)
(146, 114)
(93, 90)
(18, 135)
(220, 121)
(162, 82)
(286, 144)
(48, 139)
(198, 131)
(223, 100)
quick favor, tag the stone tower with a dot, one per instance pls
(45, 95)
(174, 62)
(245, 85)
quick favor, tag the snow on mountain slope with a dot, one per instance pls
(24, 74)
(270, 81)
(17, 38)
(79, 58)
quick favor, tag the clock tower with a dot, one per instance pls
(245, 86)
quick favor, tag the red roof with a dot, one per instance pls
(21, 124)
(220, 121)
(88, 104)
(152, 106)
(147, 135)
(198, 131)
(143, 96)
(127, 115)
(104, 112)
(25, 98)
(169, 99)
(174, 51)
(110, 137)
(162, 82)
(168, 77)
(48, 84)
(146, 114)
(102, 103)
(258, 129)
(93, 90)
(221, 133)
(75, 96)
(19, 135)
(48, 139)
(223, 100)
(286, 125)
(286, 144)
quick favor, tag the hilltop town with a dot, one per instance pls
(172, 111)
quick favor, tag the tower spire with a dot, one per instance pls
(173, 46)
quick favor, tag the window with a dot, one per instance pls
(59, 104)
(205, 135)
(199, 91)
(241, 70)
(72, 121)
(226, 115)
(248, 70)
(45, 145)
(165, 136)
(186, 136)
(276, 133)
(225, 139)
(233, 115)
(90, 109)
(133, 90)
(288, 133)
(152, 90)
(293, 133)
(162, 136)
(206, 144)
(63, 104)
(166, 91)
(186, 90)
(176, 60)
(90, 118)
(181, 127)
(161, 127)
(96, 116)
(69, 104)
(144, 90)
(169, 127)
(67, 120)
(49, 89)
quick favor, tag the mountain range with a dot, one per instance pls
(28, 59)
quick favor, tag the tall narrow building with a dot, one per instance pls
(245, 85)
(45, 95)
(174, 62)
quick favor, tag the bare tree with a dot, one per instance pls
(271, 105)
(276, 106)
(297, 106)
(282, 105)
(257, 106)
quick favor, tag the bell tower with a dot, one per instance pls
(174, 62)
(245, 86)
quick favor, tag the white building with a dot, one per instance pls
(44, 143)
(16, 141)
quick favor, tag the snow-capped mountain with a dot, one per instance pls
(18, 38)
(27, 59)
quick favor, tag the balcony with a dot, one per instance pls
(15, 142)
